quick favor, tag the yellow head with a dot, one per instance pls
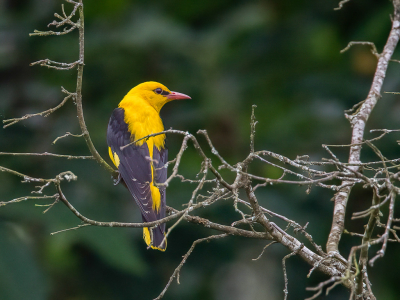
(156, 94)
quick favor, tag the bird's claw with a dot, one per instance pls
(118, 180)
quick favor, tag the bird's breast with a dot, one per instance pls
(143, 121)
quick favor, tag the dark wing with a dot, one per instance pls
(160, 159)
(134, 166)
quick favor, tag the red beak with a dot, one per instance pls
(177, 96)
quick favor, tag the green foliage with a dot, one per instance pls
(21, 276)
(282, 56)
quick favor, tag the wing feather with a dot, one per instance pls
(160, 159)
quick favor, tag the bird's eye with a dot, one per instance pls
(158, 91)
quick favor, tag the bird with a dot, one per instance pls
(142, 164)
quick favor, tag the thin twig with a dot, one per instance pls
(51, 64)
(372, 45)
(285, 290)
(65, 135)
(341, 3)
(48, 154)
(68, 229)
(185, 257)
(16, 200)
(263, 250)
(45, 113)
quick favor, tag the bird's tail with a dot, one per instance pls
(155, 239)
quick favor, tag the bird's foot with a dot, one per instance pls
(118, 179)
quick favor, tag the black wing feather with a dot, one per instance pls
(160, 159)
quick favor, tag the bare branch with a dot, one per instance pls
(50, 32)
(319, 287)
(373, 47)
(68, 229)
(334, 270)
(358, 122)
(253, 124)
(341, 3)
(263, 250)
(385, 236)
(175, 214)
(65, 20)
(379, 176)
(51, 64)
(185, 257)
(45, 113)
(65, 135)
(78, 98)
(285, 291)
(48, 154)
(27, 198)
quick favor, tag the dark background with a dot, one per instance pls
(282, 56)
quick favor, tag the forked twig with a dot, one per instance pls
(185, 257)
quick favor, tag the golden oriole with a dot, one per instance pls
(142, 164)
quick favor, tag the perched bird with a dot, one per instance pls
(142, 164)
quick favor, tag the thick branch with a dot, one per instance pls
(333, 268)
(78, 99)
(197, 220)
(358, 122)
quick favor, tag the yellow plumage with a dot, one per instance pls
(142, 108)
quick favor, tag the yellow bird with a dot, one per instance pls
(142, 165)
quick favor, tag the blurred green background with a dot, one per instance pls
(282, 56)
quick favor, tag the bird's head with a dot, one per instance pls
(157, 94)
